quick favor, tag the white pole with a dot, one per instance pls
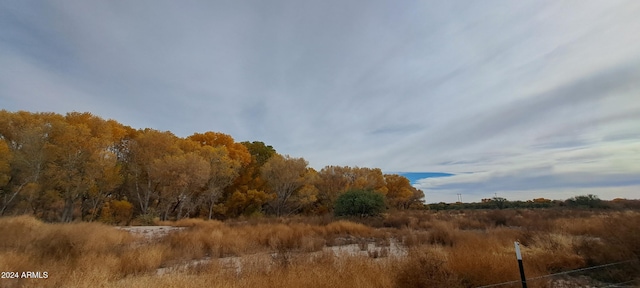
(518, 254)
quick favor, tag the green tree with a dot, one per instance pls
(360, 203)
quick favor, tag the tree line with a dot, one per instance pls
(79, 166)
(588, 201)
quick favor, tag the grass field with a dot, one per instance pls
(401, 249)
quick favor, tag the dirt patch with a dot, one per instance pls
(150, 232)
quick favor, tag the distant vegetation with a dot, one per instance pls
(582, 201)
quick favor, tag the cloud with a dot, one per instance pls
(500, 89)
(599, 169)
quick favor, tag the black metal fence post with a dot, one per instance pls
(519, 256)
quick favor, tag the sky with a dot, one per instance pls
(516, 99)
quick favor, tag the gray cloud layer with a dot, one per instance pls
(502, 89)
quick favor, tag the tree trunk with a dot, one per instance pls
(67, 211)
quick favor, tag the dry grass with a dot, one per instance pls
(427, 267)
(482, 258)
(444, 249)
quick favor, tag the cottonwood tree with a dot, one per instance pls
(26, 136)
(103, 173)
(416, 201)
(332, 182)
(236, 151)
(79, 154)
(145, 149)
(287, 176)
(5, 167)
(226, 158)
(70, 153)
(248, 193)
(400, 193)
(105, 179)
(362, 178)
(178, 177)
(223, 170)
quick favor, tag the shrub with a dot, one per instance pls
(117, 212)
(360, 203)
(148, 219)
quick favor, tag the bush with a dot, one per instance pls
(360, 203)
(117, 212)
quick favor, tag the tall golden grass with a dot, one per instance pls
(441, 249)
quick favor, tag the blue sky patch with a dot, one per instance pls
(415, 176)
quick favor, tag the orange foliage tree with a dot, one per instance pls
(248, 192)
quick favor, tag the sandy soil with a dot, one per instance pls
(150, 232)
(236, 263)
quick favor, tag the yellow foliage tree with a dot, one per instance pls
(400, 192)
(5, 167)
(249, 183)
(26, 136)
(287, 176)
(145, 148)
(179, 177)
